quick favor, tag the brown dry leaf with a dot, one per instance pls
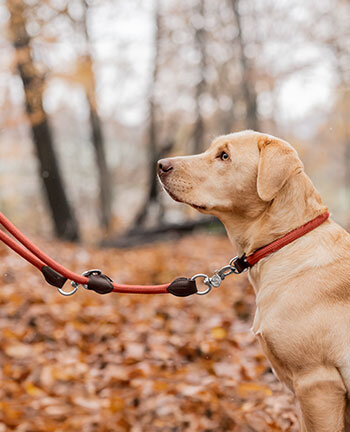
(18, 350)
(218, 333)
(244, 390)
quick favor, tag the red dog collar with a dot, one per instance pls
(244, 262)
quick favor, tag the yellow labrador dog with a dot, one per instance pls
(256, 185)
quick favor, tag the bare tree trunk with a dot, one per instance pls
(249, 92)
(199, 130)
(104, 177)
(153, 152)
(97, 133)
(66, 226)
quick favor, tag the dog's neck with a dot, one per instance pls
(296, 203)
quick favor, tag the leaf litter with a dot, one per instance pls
(134, 363)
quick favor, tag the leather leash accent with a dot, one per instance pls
(52, 277)
(182, 287)
(56, 274)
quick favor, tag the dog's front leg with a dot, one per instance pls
(322, 397)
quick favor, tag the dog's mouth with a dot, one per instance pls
(197, 207)
(177, 199)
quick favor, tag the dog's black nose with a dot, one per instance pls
(164, 166)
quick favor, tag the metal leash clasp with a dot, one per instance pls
(75, 285)
(68, 293)
(212, 281)
(216, 279)
(206, 281)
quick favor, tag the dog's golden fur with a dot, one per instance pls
(260, 192)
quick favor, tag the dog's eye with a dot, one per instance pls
(223, 156)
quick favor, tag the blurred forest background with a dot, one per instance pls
(92, 93)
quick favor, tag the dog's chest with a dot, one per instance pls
(270, 350)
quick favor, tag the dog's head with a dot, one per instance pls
(240, 173)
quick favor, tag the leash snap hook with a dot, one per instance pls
(225, 271)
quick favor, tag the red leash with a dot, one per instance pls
(56, 274)
(46, 264)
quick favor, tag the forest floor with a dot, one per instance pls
(137, 363)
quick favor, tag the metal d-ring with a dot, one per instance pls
(69, 293)
(206, 281)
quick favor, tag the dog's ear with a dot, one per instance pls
(278, 161)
